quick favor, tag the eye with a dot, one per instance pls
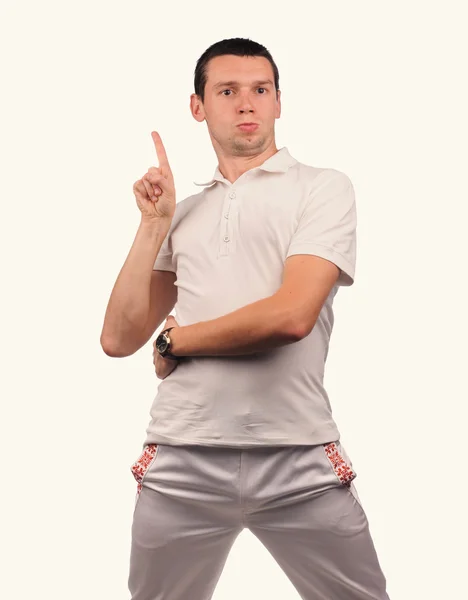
(260, 88)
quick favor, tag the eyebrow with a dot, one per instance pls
(236, 83)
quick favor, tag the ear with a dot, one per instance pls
(196, 108)
(278, 105)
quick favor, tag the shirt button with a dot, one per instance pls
(226, 238)
(226, 215)
(232, 195)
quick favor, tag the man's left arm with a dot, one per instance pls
(283, 318)
(322, 249)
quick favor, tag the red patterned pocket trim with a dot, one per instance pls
(343, 471)
(141, 465)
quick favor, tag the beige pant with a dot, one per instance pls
(299, 501)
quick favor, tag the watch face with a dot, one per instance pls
(161, 343)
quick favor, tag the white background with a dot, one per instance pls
(370, 88)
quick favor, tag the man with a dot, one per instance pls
(242, 433)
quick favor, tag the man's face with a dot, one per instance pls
(239, 89)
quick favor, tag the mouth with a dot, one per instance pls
(248, 126)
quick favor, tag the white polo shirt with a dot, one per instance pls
(228, 245)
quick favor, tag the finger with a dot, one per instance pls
(151, 190)
(157, 183)
(160, 150)
(140, 188)
(156, 178)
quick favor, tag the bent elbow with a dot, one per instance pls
(299, 331)
(113, 350)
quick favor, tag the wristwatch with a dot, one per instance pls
(163, 344)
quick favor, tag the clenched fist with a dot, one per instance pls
(155, 191)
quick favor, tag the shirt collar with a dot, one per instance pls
(278, 163)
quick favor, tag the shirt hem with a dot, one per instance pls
(347, 269)
(325, 436)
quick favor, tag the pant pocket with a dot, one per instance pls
(340, 463)
(140, 467)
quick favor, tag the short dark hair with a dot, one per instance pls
(236, 46)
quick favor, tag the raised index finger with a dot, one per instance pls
(160, 151)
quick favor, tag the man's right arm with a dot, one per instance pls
(142, 297)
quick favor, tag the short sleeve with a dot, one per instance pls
(164, 260)
(327, 226)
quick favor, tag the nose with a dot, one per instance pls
(245, 104)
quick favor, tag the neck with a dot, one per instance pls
(232, 167)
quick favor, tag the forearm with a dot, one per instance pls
(256, 327)
(129, 303)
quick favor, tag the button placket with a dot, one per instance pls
(226, 232)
